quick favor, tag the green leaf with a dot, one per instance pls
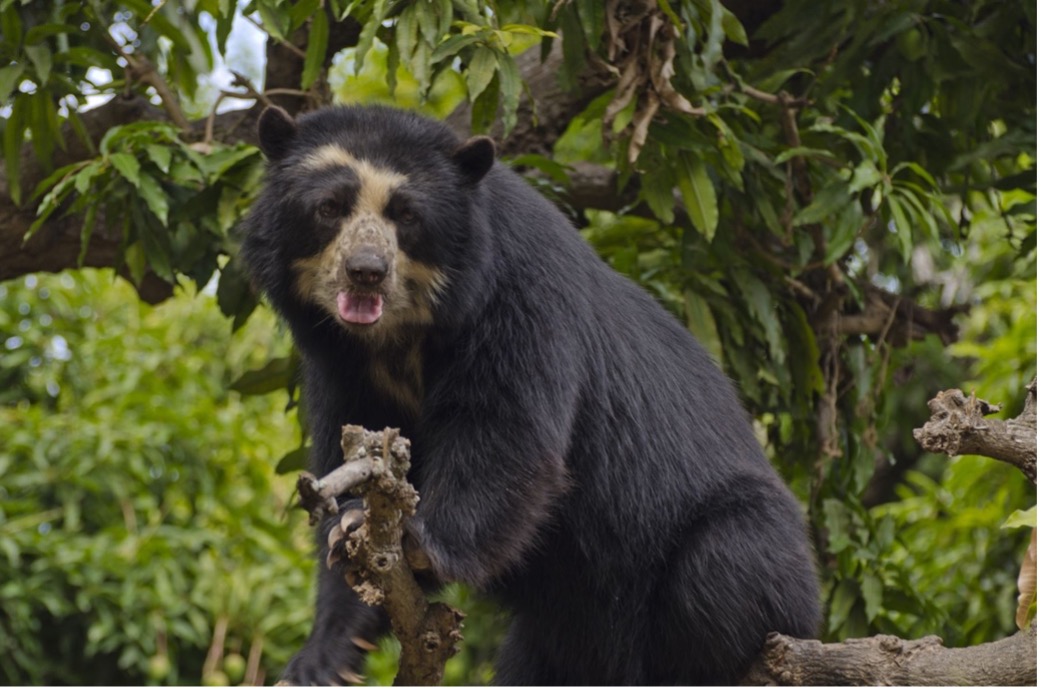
(918, 211)
(901, 226)
(85, 177)
(864, 175)
(510, 84)
(805, 152)
(591, 13)
(406, 33)
(317, 41)
(10, 76)
(155, 241)
(128, 166)
(160, 155)
(837, 523)
(50, 203)
(527, 30)
(871, 588)
(428, 24)
(223, 159)
(845, 233)
(777, 79)
(864, 145)
(45, 184)
(702, 324)
(420, 67)
(699, 196)
(547, 166)
(452, 45)
(293, 461)
(762, 306)
(136, 262)
(485, 107)
(368, 32)
(42, 31)
(804, 352)
(273, 376)
(11, 26)
(234, 294)
(302, 11)
(154, 196)
(40, 56)
(480, 71)
(827, 202)
(767, 212)
(14, 135)
(656, 189)
(733, 28)
(86, 231)
(1021, 518)
(844, 597)
(275, 20)
(918, 170)
(730, 147)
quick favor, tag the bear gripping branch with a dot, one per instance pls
(379, 566)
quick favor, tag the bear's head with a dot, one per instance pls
(366, 218)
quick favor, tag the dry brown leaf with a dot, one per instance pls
(641, 123)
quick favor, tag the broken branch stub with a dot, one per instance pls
(958, 427)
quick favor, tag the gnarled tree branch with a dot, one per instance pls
(958, 427)
(380, 565)
(888, 660)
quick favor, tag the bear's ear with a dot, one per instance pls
(475, 158)
(276, 130)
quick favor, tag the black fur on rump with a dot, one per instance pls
(577, 453)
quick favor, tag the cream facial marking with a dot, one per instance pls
(377, 183)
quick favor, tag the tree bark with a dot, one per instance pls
(888, 660)
(958, 427)
(380, 564)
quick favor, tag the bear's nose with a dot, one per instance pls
(366, 268)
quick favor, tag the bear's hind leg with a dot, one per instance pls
(741, 572)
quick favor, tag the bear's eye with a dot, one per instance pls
(328, 210)
(407, 216)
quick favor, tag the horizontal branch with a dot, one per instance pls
(888, 660)
(898, 320)
(958, 427)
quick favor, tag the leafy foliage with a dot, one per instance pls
(138, 507)
(815, 190)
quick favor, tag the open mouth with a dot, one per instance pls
(362, 308)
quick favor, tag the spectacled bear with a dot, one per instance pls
(578, 455)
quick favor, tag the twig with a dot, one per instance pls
(141, 69)
(292, 48)
(318, 496)
(151, 14)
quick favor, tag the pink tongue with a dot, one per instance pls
(356, 308)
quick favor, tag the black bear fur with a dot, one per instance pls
(578, 455)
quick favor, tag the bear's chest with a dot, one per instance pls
(396, 374)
